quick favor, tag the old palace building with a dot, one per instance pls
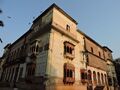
(55, 55)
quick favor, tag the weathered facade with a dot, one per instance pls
(96, 64)
(117, 69)
(112, 79)
(55, 55)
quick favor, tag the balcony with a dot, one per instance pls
(68, 80)
(68, 55)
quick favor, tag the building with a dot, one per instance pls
(96, 64)
(117, 69)
(55, 55)
(112, 79)
(1, 59)
(2, 62)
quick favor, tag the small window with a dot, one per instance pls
(92, 50)
(99, 54)
(67, 27)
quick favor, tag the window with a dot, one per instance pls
(105, 79)
(94, 77)
(68, 50)
(37, 48)
(102, 78)
(69, 73)
(83, 75)
(92, 50)
(89, 77)
(109, 81)
(98, 74)
(30, 69)
(99, 54)
(34, 49)
(67, 27)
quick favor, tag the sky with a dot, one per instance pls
(100, 19)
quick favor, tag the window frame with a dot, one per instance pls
(69, 73)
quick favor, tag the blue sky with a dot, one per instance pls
(100, 19)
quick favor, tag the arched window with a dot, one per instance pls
(94, 77)
(68, 27)
(102, 79)
(105, 79)
(98, 74)
(89, 76)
